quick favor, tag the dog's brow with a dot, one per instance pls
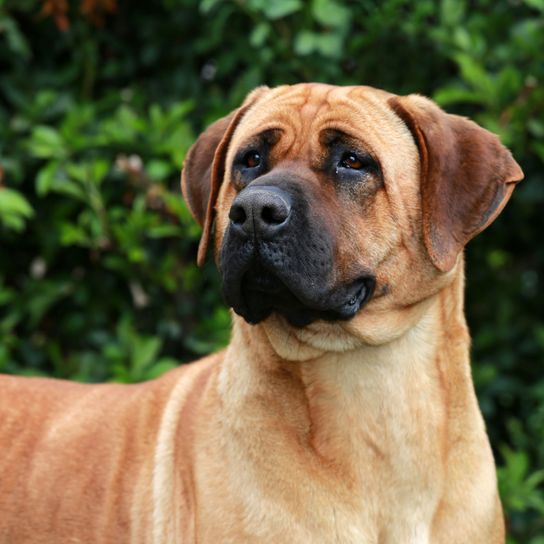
(330, 136)
(268, 136)
(333, 136)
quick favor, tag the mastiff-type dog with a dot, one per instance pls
(343, 409)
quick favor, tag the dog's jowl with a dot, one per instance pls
(343, 409)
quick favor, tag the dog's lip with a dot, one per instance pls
(279, 298)
(361, 293)
(359, 296)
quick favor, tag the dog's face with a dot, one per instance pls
(331, 203)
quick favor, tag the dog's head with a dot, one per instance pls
(330, 203)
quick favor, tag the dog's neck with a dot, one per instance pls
(381, 398)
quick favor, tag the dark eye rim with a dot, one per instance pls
(349, 157)
(350, 160)
(246, 159)
(363, 162)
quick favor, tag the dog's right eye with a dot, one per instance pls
(247, 166)
(252, 159)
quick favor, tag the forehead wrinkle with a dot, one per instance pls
(297, 110)
(370, 106)
(298, 94)
(310, 116)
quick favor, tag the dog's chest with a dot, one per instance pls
(392, 508)
(359, 478)
(385, 432)
(361, 462)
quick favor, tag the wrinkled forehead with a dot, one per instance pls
(304, 112)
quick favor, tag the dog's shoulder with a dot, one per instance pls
(26, 397)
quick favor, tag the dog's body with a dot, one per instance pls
(346, 413)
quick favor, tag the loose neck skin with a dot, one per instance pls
(385, 440)
(415, 390)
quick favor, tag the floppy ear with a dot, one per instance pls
(467, 176)
(204, 169)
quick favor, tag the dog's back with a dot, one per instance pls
(78, 459)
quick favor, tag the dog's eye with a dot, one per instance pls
(350, 160)
(252, 159)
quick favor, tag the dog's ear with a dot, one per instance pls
(204, 169)
(467, 176)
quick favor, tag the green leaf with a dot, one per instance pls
(330, 45)
(330, 13)
(281, 8)
(462, 38)
(144, 353)
(15, 39)
(98, 170)
(12, 201)
(74, 235)
(163, 231)
(536, 127)
(46, 142)
(535, 4)
(44, 295)
(159, 170)
(53, 179)
(6, 296)
(259, 34)
(476, 76)
(305, 42)
(519, 488)
(452, 12)
(456, 95)
(15, 209)
(180, 109)
(207, 5)
(156, 116)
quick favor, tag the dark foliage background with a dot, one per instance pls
(99, 101)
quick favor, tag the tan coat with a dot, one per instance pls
(365, 431)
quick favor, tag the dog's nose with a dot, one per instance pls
(260, 211)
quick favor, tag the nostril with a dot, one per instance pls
(274, 215)
(270, 215)
(237, 215)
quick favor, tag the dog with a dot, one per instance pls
(343, 409)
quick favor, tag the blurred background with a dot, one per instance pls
(99, 102)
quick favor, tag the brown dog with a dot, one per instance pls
(343, 409)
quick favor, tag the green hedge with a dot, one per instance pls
(99, 102)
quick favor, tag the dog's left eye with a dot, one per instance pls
(352, 161)
(252, 159)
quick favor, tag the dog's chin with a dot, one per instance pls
(299, 344)
(262, 294)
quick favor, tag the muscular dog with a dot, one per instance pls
(343, 409)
